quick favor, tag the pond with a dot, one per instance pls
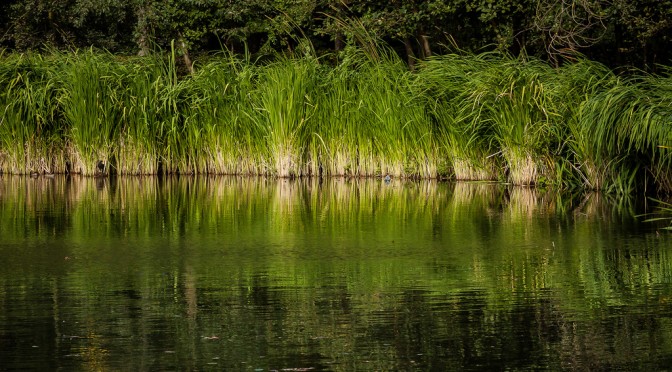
(263, 274)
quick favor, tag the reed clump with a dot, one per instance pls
(463, 134)
(31, 129)
(468, 117)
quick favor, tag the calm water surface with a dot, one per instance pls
(249, 274)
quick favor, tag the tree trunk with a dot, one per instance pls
(185, 54)
(142, 29)
(339, 38)
(410, 56)
(424, 42)
(339, 43)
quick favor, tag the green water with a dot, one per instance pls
(256, 274)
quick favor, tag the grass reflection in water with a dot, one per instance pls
(246, 273)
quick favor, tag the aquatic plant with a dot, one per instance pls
(30, 127)
(284, 108)
(583, 81)
(461, 130)
(362, 114)
(142, 116)
(519, 98)
(232, 140)
(397, 134)
(92, 85)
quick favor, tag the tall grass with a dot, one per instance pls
(648, 130)
(335, 138)
(141, 118)
(496, 116)
(227, 117)
(518, 102)
(394, 131)
(92, 85)
(584, 82)
(30, 127)
(620, 130)
(462, 131)
(284, 104)
(472, 117)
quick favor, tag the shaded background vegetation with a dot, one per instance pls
(473, 90)
(615, 32)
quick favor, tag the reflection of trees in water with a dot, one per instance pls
(406, 329)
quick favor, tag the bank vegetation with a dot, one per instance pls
(464, 116)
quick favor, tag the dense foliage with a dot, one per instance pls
(475, 117)
(615, 32)
(304, 87)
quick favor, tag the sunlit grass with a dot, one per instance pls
(469, 117)
(31, 132)
(463, 134)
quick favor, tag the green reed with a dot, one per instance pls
(591, 166)
(335, 137)
(227, 117)
(284, 104)
(647, 130)
(92, 85)
(477, 117)
(518, 96)
(143, 116)
(462, 132)
(30, 127)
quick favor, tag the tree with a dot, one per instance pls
(410, 22)
(643, 29)
(568, 26)
(69, 24)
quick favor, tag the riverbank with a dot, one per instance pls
(467, 117)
